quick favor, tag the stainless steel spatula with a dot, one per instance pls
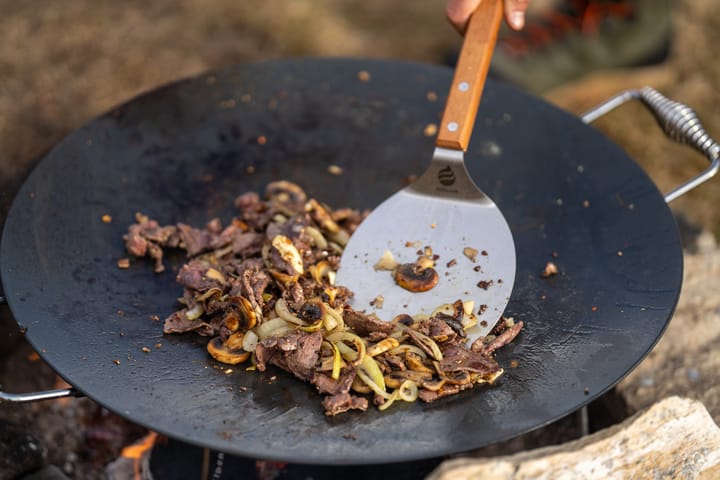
(443, 215)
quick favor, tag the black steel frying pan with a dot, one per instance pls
(183, 152)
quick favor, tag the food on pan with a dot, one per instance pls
(420, 276)
(549, 270)
(262, 288)
(416, 277)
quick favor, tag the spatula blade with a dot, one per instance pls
(408, 222)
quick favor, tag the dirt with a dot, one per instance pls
(63, 63)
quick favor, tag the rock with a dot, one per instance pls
(685, 360)
(20, 452)
(675, 438)
(50, 472)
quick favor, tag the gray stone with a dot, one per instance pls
(20, 452)
(49, 472)
(675, 438)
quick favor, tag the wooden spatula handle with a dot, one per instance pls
(470, 74)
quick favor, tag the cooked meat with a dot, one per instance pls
(328, 386)
(252, 284)
(265, 282)
(446, 390)
(193, 276)
(179, 323)
(375, 336)
(302, 360)
(297, 353)
(462, 359)
(342, 402)
(363, 324)
(442, 330)
(501, 340)
(135, 243)
(246, 244)
(194, 240)
(264, 356)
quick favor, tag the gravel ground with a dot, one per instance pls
(63, 63)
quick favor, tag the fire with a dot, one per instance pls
(61, 384)
(138, 450)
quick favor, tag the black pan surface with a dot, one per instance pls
(181, 153)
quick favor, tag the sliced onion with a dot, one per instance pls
(276, 326)
(195, 312)
(209, 293)
(313, 327)
(282, 310)
(355, 357)
(402, 349)
(408, 391)
(389, 401)
(337, 362)
(333, 319)
(250, 341)
(215, 275)
(370, 367)
(374, 386)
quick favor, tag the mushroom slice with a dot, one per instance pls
(425, 343)
(322, 216)
(414, 363)
(320, 270)
(286, 196)
(434, 384)
(415, 279)
(382, 346)
(240, 314)
(230, 351)
(461, 377)
(288, 252)
(396, 378)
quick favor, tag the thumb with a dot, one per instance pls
(515, 13)
(459, 12)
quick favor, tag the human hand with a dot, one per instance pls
(459, 11)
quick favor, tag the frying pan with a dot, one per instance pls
(183, 152)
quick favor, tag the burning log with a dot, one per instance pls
(134, 461)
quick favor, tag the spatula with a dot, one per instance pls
(443, 215)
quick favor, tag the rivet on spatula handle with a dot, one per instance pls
(470, 74)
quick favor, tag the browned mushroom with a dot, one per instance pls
(239, 314)
(230, 351)
(413, 278)
(286, 196)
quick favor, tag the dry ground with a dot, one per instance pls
(63, 63)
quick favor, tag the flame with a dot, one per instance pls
(61, 384)
(137, 451)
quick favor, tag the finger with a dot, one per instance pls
(459, 11)
(515, 13)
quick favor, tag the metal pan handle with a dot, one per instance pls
(38, 396)
(678, 121)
